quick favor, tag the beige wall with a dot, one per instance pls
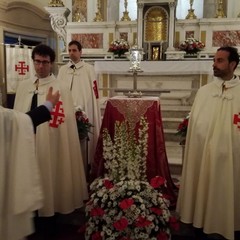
(37, 3)
(21, 17)
(24, 18)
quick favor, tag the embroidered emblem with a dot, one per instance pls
(236, 119)
(95, 89)
(21, 68)
(57, 115)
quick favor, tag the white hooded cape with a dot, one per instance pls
(84, 91)
(58, 149)
(20, 185)
(209, 191)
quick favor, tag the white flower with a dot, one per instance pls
(191, 45)
(127, 205)
(119, 45)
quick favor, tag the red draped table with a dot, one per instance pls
(120, 109)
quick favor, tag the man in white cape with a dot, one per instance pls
(20, 183)
(81, 80)
(209, 193)
(57, 143)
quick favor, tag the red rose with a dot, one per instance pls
(158, 211)
(126, 203)
(121, 224)
(157, 181)
(162, 236)
(142, 222)
(96, 212)
(108, 184)
(166, 196)
(96, 236)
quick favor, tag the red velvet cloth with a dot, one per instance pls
(131, 109)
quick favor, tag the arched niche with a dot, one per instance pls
(25, 20)
(156, 20)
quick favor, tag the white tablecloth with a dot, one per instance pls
(156, 67)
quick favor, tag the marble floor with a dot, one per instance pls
(71, 227)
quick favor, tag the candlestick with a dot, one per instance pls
(55, 3)
(125, 16)
(98, 17)
(191, 14)
(220, 10)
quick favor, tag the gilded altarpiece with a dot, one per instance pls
(155, 31)
(79, 10)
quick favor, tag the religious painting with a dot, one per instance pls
(226, 38)
(124, 35)
(79, 10)
(89, 40)
(189, 34)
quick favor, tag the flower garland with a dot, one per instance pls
(191, 46)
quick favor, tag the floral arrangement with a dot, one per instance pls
(119, 47)
(182, 129)
(126, 156)
(191, 46)
(123, 205)
(83, 124)
(128, 210)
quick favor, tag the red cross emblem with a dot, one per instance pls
(236, 119)
(95, 89)
(21, 68)
(57, 115)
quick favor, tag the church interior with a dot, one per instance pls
(156, 29)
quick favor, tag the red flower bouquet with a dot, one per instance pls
(130, 210)
(191, 46)
(119, 47)
(83, 124)
(182, 129)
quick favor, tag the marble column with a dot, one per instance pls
(172, 6)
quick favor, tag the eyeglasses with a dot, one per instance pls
(38, 62)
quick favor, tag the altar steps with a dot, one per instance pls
(172, 115)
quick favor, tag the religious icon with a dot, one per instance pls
(155, 53)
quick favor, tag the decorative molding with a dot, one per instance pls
(58, 16)
(140, 5)
(172, 4)
(29, 7)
